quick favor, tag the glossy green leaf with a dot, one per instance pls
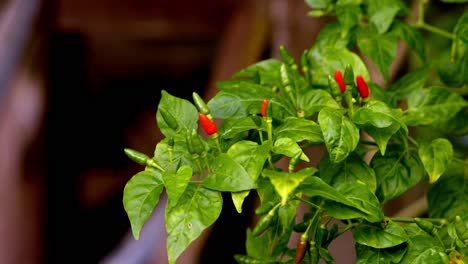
(365, 254)
(330, 36)
(396, 172)
(238, 199)
(380, 235)
(228, 175)
(299, 129)
(176, 183)
(257, 246)
(432, 105)
(325, 60)
(141, 195)
(381, 94)
(380, 48)
(267, 71)
(423, 248)
(359, 194)
(313, 101)
(436, 157)
(196, 209)
(383, 12)
(182, 110)
(447, 197)
(285, 183)
(349, 171)
(348, 15)
(288, 147)
(410, 82)
(281, 234)
(314, 186)
(340, 134)
(233, 126)
(180, 155)
(411, 36)
(250, 156)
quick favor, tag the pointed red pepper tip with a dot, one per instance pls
(208, 125)
(264, 107)
(362, 87)
(340, 81)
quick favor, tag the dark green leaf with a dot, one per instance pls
(383, 12)
(141, 195)
(359, 194)
(313, 101)
(447, 197)
(330, 36)
(233, 126)
(256, 246)
(410, 82)
(340, 134)
(176, 183)
(250, 156)
(436, 157)
(461, 28)
(285, 183)
(228, 175)
(182, 110)
(396, 172)
(267, 71)
(348, 15)
(380, 235)
(196, 209)
(455, 1)
(411, 36)
(367, 254)
(380, 48)
(351, 170)
(299, 129)
(378, 93)
(432, 105)
(423, 249)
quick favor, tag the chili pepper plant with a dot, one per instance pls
(256, 134)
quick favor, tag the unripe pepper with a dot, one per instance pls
(265, 221)
(349, 75)
(362, 87)
(201, 105)
(264, 107)
(340, 81)
(301, 248)
(425, 225)
(197, 143)
(460, 228)
(136, 156)
(169, 119)
(208, 125)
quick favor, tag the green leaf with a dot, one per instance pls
(314, 186)
(326, 60)
(313, 101)
(180, 155)
(183, 111)
(432, 105)
(299, 129)
(288, 147)
(196, 209)
(250, 156)
(319, 4)
(461, 28)
(267, 71)
(257, 246)
(380, 235)
(365, 254)
(238, 199)
(380, 94)
(285, 183)
(348, 15)
(436, 157)
(380, 48)
(423, 249)
(383, 12)
(340, 134)
(176, 183)
(396, 172)
(359, 194)
(228, 175)
(141, 195)
(410, 82)
(351, 170)
(447, 197)
(234, 126)
(330, 36)
(411, 36)
(455, 1)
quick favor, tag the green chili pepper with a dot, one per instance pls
(201, 105)
(314, 253)
(286, 82)
(301, 248)
(169, 119)
(425, 225)
(349, 75)
(294, 161)
(241, 259)
(189, 141)
(287, 58)
(265, 222)
(136, 156)
(460, 228)
(197, 142)
(334, 87)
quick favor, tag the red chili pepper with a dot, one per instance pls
(264, 107)
(208, 125)
(362, 87)
(339, 79)
(301, 249)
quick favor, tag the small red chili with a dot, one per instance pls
(264, 107)
(301, 249)
(362, 87)
(339, 79)
(208, 125)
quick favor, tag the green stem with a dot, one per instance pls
(151, 163)
(413, 141)
(435, 30)
(216, 139)
(349, 100)
(437, 221)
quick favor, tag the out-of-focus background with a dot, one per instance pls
(80, 81)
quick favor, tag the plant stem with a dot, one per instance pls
(151, 163)
(411, 220)
(435, 30)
